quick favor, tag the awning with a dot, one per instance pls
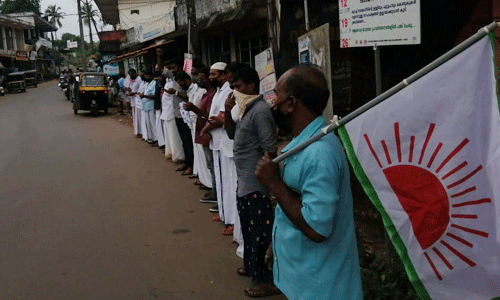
(138, 52)
(127, 55)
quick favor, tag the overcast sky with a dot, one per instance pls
(70, 22)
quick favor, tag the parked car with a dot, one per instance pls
(16, 82)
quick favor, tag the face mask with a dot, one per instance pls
(282, 121)
(167, 73)
(235, 113)
(215, 82)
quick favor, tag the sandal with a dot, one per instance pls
(228, 230)
(197, 182)
(260, 290)
(241, 271)
(216, 219)
(188, 171)
(182, 168)
(193, 176)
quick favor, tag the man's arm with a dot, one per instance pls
(268, 174)
(229, 124)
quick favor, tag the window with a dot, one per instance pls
(218, 49)
(248, 49)
(93, 80)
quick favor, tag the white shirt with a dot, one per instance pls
(134, 86)
(142, 88)
(218, 106)
(167, 101)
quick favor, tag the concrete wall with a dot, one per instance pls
(149, 10)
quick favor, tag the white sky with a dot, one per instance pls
(70, 22)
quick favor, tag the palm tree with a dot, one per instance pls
(89, 14)
(55, 17)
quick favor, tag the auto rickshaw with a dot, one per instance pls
(31, 78)
(16, 81)
(91, 90)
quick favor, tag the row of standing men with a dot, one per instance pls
(194, 118)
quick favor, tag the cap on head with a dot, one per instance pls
(220, 66)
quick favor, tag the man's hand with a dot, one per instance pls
(206, 138)
(216, 121)
(230, 102)
(189, 106)
(268, 258)
(268, 172)
(141, 95)
(171, 91)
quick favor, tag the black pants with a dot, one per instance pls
(187, 141)
(257, 218)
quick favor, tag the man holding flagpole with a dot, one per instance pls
(314, 242)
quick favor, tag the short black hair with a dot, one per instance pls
(204, 70)
(234, 66)
(148, 72)
(174, 61)
(309, 85)
(132, 71)
(247, 75)
(181, 75)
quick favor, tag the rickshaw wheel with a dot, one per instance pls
(95, 112)
(105, 111)
(75, 111)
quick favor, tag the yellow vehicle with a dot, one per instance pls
(91, 93)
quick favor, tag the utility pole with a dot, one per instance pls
(82, 43)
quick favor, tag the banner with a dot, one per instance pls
(188, 63)
(428, 157)
(385, 22)
(264, 65)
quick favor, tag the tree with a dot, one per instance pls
(55, 17)
(89, 14)
(16, 6)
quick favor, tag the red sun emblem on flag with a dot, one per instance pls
(432, 199)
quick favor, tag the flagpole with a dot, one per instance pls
(436, 63)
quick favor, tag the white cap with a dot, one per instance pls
(221, 66)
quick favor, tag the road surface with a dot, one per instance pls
(90, 212)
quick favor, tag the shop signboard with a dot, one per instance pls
(22, 55)
(264, 64)
(153, 29)
(314, 48)
(381, 23)
(111, 69)
(71, 44)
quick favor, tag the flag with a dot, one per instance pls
(429, 159)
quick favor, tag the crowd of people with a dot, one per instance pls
(217, 127)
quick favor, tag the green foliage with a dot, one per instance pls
(384, 278)
(17, 6)
(54, 15)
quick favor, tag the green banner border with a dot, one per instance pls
(389, 226)
(496, 70)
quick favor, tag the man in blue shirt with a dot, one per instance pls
(314, 243)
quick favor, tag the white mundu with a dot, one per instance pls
(136, 112)
(173, 142)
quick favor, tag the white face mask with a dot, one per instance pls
(243, 100)
(235, 113)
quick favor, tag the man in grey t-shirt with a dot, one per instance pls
(248, 120)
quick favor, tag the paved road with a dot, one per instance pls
(87, 211)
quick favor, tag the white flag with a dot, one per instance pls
(429, 159)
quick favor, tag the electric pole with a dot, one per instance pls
(82, 43)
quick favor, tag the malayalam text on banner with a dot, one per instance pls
(382, 22)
